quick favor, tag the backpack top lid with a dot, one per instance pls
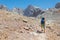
(43, 18)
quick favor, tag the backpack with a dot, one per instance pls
(42, 20)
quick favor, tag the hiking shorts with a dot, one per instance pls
(43, 25)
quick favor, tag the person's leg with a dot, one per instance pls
(44, 30)
(43, 27)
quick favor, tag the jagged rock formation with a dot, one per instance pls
(32, 11)
(57, 5)
(3, 7)
(18, 11)
(52, 13)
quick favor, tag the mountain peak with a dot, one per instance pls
(31, 6)
(32, 11)
(2, 6)
(57, 5)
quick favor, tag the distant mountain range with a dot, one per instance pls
(33, 11)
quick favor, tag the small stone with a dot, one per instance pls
(21, 32)
(25, 21)
(30, 25)
(26, 29)
(39, 31)
(58, 34)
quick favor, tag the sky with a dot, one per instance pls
(44, 4)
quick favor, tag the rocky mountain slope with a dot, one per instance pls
(18, 27)
(14, 26)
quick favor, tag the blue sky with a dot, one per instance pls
(24, 3)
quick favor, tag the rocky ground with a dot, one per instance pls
(53, 32)
(18, 27)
